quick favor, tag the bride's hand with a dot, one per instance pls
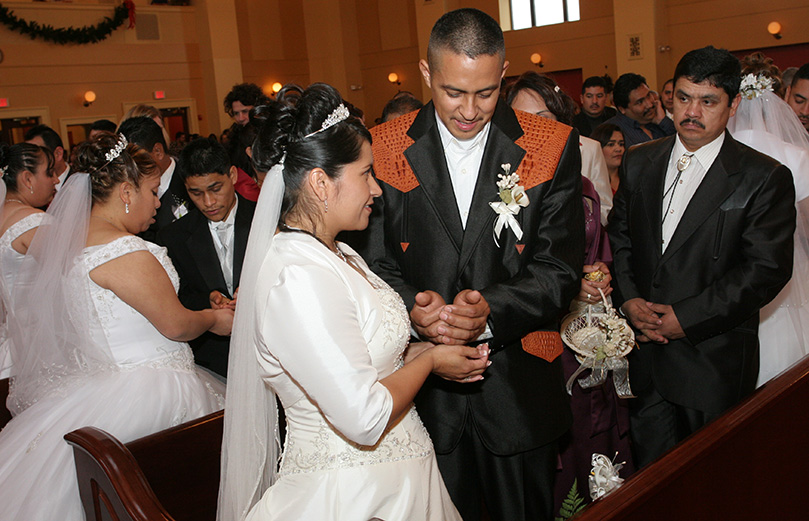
(460, 363)
(223, 321)
(415, 349)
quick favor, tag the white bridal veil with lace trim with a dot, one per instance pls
(767, 124)
(250, 445)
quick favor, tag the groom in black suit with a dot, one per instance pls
(701, 234)
(207, 245)
(466, 277)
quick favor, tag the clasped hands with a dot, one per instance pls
(452, 326)
(219, 301)
(657, 322)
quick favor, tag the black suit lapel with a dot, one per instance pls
(244, 219)
(200, 244)
(652, 182)
(500, 149)
(429, 164)
(714, 189)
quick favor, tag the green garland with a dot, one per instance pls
(65, 36)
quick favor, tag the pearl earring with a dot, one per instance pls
(126, 207)
(326, 204)
(32, 188)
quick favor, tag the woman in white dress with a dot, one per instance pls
(330, 338)
(29, 183)
(766, 123)
(97, 332)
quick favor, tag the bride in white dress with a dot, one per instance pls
(97, 333)
(28, 184)
(330, 338)
(766, 123)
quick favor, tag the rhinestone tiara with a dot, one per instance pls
(339, 114)
(117, 149)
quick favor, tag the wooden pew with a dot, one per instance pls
(172, 475)
(5, 414)
(748, 464)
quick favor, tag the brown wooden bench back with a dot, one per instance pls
(170, 475)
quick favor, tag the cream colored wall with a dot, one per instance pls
(346, 42)
(119, 69)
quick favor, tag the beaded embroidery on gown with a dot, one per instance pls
(152, 386)
(326, 374)
(10, 261)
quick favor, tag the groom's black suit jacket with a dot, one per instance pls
(175, 195)
(191, 248)
(730, 254)
(416, 242)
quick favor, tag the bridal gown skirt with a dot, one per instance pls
(325, 478)
(37, 472)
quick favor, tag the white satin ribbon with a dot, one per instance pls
(505, 219)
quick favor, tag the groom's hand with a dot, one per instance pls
(465, 319)
(424, 315)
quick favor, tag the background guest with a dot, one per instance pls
(595, 107)
(600, 418)
(144, 132)
(241, 99)
(399, 105)
(45, 136)
(798, 95)
(641, 116)
(101, 125)
(613, 147)
(539, 94)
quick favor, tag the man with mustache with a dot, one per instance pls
(641, 116)
(702, 238)
(594, 109)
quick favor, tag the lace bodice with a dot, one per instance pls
(131, 338)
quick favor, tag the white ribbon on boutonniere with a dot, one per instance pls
(512, 198)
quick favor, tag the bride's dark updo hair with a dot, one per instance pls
(16, 159)
(282, 131)
(131, 165)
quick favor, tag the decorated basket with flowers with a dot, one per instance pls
(601, 340)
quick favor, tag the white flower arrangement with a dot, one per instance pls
(512, 199)
(754, 86)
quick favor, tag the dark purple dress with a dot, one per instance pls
(600, 418)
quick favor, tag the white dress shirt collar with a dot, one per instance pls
(463, 159)
(165, 179)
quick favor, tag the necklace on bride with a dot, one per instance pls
(15, 201)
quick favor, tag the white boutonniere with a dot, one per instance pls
(512, 198)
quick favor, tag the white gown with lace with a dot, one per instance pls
(327, 336)
(153, 386)
(10, 261)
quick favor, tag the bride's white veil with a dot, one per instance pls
(766, 123)
(52, 345)
(250, 445)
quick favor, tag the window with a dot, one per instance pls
(536, 13)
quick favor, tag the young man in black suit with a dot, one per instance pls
(702, 238)
(207, 245)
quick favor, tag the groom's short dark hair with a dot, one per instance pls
(466, 31)
(203, 156)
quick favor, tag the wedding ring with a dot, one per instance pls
(589, 296)
(467, 378)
